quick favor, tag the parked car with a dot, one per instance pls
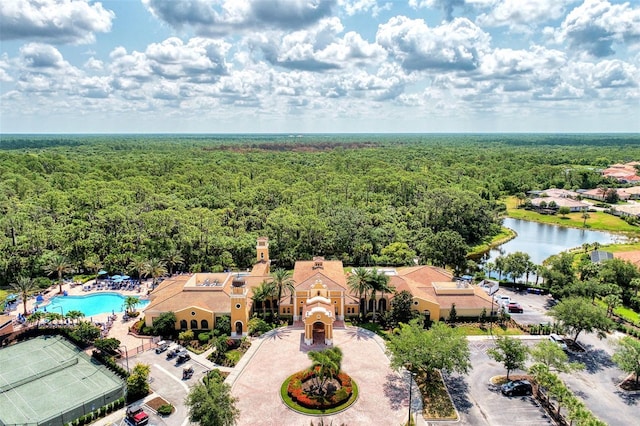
(515, 307)
(137, 416)
(162, 346)
(558, 341)
(502, 300)
(517, 387)
(183, 356)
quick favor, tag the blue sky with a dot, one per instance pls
(304, 66)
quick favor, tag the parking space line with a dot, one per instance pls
(186, 388)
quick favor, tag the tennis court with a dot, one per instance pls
(48, 381)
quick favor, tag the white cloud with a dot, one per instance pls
(54, 21)
(42, 57)
(520, 15)
(94, 64)
(596, 25)
(452, 46)
(218, 18)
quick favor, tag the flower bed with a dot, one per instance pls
(298, 392)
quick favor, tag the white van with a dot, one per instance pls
(502, 300)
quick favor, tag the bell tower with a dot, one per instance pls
(239, 308)
(262, 250)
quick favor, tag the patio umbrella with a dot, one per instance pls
(102, 272)
(116, 277)
(125, 277)
(39, 299)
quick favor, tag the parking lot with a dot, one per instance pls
(166, 382)
(481, 403)
(535, 306)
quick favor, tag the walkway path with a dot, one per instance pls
(256, 380)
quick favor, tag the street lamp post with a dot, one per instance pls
(126, 357)
(411, 376)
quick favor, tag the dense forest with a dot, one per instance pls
(107, 201)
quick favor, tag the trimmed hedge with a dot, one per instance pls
(297, 394)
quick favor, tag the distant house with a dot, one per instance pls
(574, 205)
(599, 194)
(631, 193)
(632, 210)
(629, 256)
(553, 192)
(623, 173)
(598, 256)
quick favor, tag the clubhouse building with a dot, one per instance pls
(321, 299)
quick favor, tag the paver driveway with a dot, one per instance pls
(383, 393)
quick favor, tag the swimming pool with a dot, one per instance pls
(92, 304)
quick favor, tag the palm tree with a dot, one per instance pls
(74, 315)
(24, 286)
(130, 303)
(36, 317)
(93, 264)
(139, 266)
(326, 365)
(59, 265)
(156, 268)
(173, 258)
(283, 283)
(585, 216)
(264, 291)
(358, 283)
(53, 316)
(378, 281)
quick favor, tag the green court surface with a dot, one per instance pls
(48, 381)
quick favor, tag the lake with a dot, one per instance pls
(541, 240)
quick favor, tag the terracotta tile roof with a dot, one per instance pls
(332, 270)
(630, 256)
(171, 296)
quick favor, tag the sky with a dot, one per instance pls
(319, 66)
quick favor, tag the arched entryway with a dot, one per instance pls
(318, 333)
(382, 305)
(238, 328)
(183, 324)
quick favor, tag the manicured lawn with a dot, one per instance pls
(474, 330)
(3, 294)
(597, 220)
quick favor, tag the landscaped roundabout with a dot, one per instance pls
(322, 388)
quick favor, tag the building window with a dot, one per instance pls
(183, 324)
(238, 306)
(204, 324)
(193, 313)
(194, 324)
(415, 302)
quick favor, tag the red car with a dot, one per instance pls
(515, 307)
(137, 416)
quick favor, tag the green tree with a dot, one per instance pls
(283, 283)
(265, 291)
(108, 345)
(564, 211)
(211, 404)
(139, 266)
(448, 248)
(551, 355)
(74, 315)
(59, 265)
(24, 286)
(156, 268)
(130, 303)
(173, 258)
(86, 331)
(401, 311)
(359, 283)
(578, 314)
(138, 382)
(512, 353)
(164, 324)
(439, 348)
(398, 253)
(453, 314)
(516, 264)
(326, 364)
(627, 356)
(378, 282)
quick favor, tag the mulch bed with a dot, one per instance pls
(630, 384)
(156, 403)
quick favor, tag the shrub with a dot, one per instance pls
(165, 409)
(204, 337)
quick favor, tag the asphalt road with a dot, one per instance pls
(481, 403)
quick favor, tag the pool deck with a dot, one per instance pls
(119, 329)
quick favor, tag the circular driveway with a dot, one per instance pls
(383, 393)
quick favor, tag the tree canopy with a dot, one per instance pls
(439, 348)
(579, 314)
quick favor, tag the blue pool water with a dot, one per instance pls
(92, 304)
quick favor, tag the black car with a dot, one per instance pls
(517, 387)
